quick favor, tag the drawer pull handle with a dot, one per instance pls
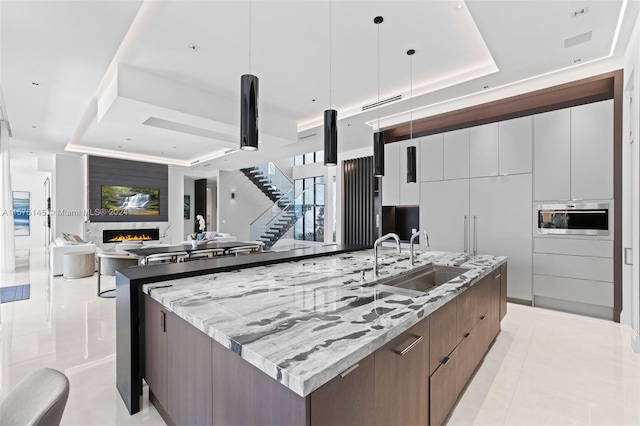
(497, 276)
(411, 346)
(445, 360)
(163, 326)
(466, 335)
(349, 370)
(482, 317)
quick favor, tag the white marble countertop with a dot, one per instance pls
(305, 322)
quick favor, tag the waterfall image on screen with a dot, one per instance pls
(130, 200)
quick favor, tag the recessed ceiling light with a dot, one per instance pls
(485, 87)
(348, 124)
(174, 147)
(31, 152)
(119, 146)
(162, 153)
(35, 83)
(129, 139)
(459, 6)
(206, 165)
(313, 100)
(33, 127)
(575, 61)
(193, 47)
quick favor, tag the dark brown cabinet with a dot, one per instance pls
(155, 355)
(348, 399)
(177, 366)
(443, 336)
(443, 389)
(189, 373)
(402, 378)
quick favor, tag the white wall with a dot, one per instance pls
(29, 179)
(631, 186)
(212, 205)
(69, 194)
(235, 216)
(175, 233)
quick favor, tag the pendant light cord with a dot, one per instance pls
(330, 82)
(410, 96)
(250, 25)
(378, 108)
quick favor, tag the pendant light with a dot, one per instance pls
(378, 137)
(330, 119)
(411, 150)
(249, 105)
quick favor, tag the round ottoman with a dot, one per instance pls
(78, 265)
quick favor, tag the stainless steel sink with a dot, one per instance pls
(424, 279)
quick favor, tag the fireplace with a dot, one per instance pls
(120, 235)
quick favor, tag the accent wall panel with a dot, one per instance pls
(140, 189)
(358, 201)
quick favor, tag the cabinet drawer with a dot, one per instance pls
(443, 389)
(581, 267)
(576, 247)
(584, 291)
(469, 353)
(442, 334)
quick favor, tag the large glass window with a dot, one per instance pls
(309, 158)
(309, 204)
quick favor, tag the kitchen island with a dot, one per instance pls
(302, 342)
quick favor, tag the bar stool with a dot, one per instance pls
(241, 250)
(206, 253)
(108, 264)
(173, 257)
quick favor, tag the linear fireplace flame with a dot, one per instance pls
(121, 235)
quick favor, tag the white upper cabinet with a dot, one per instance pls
(409, 192)
(516, 140)
(456, 154)
(483, 149)
(592, 151)
(431, 158)
(391, 178)
(552, 155)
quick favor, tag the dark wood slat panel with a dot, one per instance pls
(112, 171)
(358, 201)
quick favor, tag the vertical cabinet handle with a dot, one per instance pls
(475, 235)
(349, 370)
(411, 346)
(163, 323)
(465, 233)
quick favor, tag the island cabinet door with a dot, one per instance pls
(443, 336)
(443, 390)
(348, 399)
(189, 373)
(402, 378)
(155, 355)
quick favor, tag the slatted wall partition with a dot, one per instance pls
(358, 201)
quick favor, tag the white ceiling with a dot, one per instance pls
(105, 68)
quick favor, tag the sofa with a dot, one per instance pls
(61, 246)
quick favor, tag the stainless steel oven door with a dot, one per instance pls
(574, 219)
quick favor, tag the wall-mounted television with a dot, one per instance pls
(129, 200)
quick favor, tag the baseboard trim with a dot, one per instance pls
(635, 341)
(519, 301)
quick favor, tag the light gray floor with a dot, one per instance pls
(544, 368)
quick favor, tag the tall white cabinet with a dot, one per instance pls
(474, 203)
(396, 191)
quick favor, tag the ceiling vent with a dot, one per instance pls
(579, 12)
(306, 136)
(576, 40)
(382, 102)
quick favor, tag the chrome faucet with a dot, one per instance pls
(413, 237)
(375, 250)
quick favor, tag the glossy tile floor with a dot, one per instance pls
(544, 368)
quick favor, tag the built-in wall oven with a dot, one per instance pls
(574, 219)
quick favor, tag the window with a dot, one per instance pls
(309, 205)
(310, 158)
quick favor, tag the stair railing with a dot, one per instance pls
(286, 210)
(278, 179)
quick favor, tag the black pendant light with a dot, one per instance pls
(378, 137)
(330, 119)
(411, 150)
(249, 105)
(249, 112)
